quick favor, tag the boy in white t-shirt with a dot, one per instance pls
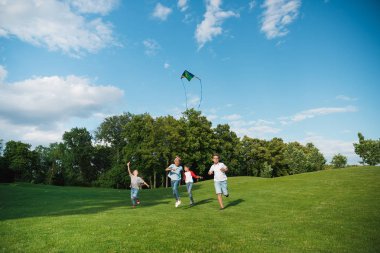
(220, 179)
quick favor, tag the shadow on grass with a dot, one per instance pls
(198, 203)
(234, 203)
(24, 201)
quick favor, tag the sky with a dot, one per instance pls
(301, 70)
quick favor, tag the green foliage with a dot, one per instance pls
(368, 150)
(339, 161)
(151, 144)
(19, 159)
(78, 155)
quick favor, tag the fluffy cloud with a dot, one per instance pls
(345, 98)
(38, 108)
(312, 113)
(151, 47)
(211, 25)
(331, 147)
(182, 5)
(278, 15)
(166, 65)
(251, 5)
(258, 128)
(57, 25)
(232, 117)
(102, 7)
(161, 12)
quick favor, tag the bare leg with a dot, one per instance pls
(220, 201)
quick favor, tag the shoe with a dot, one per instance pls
(227, 195)
(138, 202)
(222, 208)
(133, 207)
(176, 204)
(179, 202)
(191, 204)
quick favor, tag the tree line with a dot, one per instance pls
(99, 159)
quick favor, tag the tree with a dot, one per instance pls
(368, 150)
(199, 142)
(18, 157)
(78, 156)
(228, 147)
(296, 158)
(339, 161)
(111, 132)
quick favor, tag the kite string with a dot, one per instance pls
(184, 88)
(200, 101)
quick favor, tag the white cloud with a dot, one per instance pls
(193, 101)
(211, 25)
(232, 117)
(56, 25)
(345, 98)
(251, 5)
(278, 15)
(212, 117)
(166, 65)
(331, 147)
(312, 113)
(182, 5)
(151, 47)
(102, 7)
(39, 108)
(161, 12)
(260, 128)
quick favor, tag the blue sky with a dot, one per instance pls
(304, 71)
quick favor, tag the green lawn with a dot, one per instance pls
(326, 211)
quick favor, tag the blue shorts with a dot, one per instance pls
(221, 187)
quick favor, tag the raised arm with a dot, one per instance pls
(129, 169)
(146, 184)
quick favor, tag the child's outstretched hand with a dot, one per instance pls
(129, 163)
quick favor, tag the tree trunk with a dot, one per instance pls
(154, 179)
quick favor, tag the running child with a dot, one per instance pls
(220, 179)
(189, 175)
(175, 177)
(136, 183)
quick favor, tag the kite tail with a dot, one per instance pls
(184, 88)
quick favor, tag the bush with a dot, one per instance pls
(339, 161)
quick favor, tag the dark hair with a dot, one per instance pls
(215, 154)
(188, 165)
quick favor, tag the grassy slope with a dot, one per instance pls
(328, 211)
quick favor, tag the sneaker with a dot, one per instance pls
(176, 204)
(227, 195)
(138, 202)
(133, 207)
(179, 202)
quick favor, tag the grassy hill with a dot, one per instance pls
(325, 211)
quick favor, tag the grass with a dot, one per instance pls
(325, 211)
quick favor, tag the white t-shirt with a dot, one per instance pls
(189, 177)
(218, 174)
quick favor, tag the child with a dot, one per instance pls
(189, 175)
(136, 182)
(175, 176)
(220, 179)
